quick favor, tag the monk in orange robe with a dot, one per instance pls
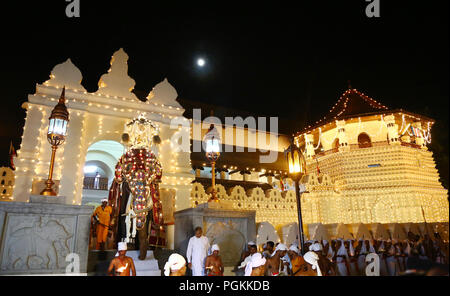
(102, 215)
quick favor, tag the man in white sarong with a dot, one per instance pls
(341, 259)
(362, 256)
(197, 251)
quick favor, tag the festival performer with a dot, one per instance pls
(313, 259)
(381, 251)
(274, 265)
(268, 249)
(391, 258)
(214, 265)
(256, 265)
(197, 252)
(324, 264)
(361, 259)
(247, 252)
(175, 266)
(241, 268)
(351, 259)
(121, 265)
(102, 217)
(299, 265)
(341, 259)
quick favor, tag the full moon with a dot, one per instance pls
(200, 62)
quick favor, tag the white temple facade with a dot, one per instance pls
(95, 118)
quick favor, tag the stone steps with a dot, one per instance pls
(147, 267)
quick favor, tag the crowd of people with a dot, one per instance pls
(338, 257)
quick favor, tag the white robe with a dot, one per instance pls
(196, 254)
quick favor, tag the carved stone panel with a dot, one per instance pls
(37, 242)
(230, 235)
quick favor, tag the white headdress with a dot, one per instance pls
(280, 247)
(294, 248)
(312, 258)
(175, 262)
(315, 247)
(255, 261)
(122, 246)
(104, 200)
(215, 247)
(251, 243)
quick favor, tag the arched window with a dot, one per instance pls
(364, 141)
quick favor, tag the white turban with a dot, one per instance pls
(324, 242)
(122, 246)
(294, 248)
(104, 200)
(251, 243)
(255, 261)
(280, 247)
(315, 247)
(313, 259)
(330, 253)
(215, 247)
(175, 262)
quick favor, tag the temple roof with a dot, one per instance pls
(353, 103)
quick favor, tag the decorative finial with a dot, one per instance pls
(62, 98)
(349, 84)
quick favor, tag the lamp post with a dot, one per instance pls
(297, 168)
(212, 148)
(56, 135)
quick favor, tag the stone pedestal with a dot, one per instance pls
(37, 236)
(229, 228)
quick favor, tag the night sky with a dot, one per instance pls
(264, 57)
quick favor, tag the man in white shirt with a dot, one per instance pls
(197, 251)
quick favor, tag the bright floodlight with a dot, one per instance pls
(200, 62)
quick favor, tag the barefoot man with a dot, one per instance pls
(102, 215)
(256, 265)
(197, 251)
(213, 265)
(122, 265)
(274, 264)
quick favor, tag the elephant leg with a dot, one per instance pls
(143, 241)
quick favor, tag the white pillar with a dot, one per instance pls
(392, 130)
(342, 136)
(72, 160)
(27, 155)
(309, 146)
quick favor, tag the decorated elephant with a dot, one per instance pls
(134, 194)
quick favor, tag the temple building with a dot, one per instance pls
(366, 163)
(370, 164)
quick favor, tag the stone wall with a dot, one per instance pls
(37, 236)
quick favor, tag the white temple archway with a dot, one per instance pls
(94, 117)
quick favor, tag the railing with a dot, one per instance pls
(89, 183)
(372, 144)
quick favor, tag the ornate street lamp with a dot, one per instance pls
(56, 135)
(212, 148)
(297, 169)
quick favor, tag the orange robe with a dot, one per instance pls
(104, 216)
